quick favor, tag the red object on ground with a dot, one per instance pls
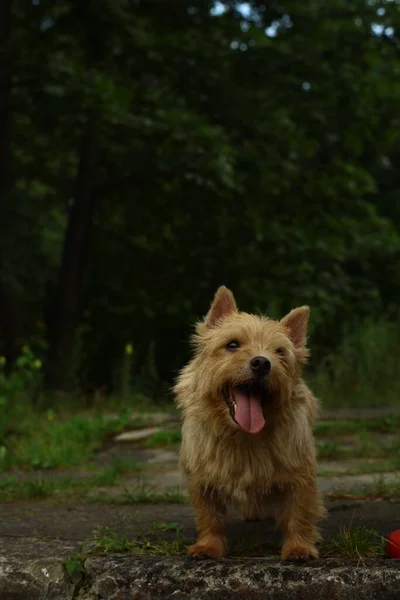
(393, 544)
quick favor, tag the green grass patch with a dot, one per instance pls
(328, 449)
(363, 371)
(356, 426)
(144, 493)
(169, 438)
(50, 441)
(112, 474)
(164, 527)
(12, 489)
(361, 449)
(355, 542)
(64, 487)
(106, 540)
(380, 466)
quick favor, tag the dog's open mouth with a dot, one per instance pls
(245, 405)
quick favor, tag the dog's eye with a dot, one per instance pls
(233, 345)
(280, 352)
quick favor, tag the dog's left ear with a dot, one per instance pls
(223, 305)
(297, 322)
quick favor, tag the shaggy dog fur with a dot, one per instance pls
(247, 439)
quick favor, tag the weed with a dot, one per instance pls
(106, 540)
(74, 566)
(355, 542)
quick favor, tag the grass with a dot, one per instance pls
(380, 488)
(64, 486)
(362, 468)
(119, 466)
(106, 540)
(363, 371)
(328, 449)
(12, 489)
(63, 443)
(348, 427)
(355, 542)
(363, 445)
(144, 493)
(169, 438)
(52, 439)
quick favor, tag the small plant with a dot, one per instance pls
(356, 542)
(107, 540)
(74, 566)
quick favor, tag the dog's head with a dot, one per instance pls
(247, 365)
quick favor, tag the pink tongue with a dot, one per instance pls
(248, 413)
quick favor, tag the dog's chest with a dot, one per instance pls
(235, 468)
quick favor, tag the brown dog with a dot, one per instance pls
(247, 437)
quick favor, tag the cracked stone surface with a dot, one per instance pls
(146, 579)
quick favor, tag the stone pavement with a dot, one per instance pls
(38, 540)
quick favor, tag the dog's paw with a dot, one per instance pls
(298, 552)
(201, 551)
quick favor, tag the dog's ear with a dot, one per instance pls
(297, 322)
(223, 305)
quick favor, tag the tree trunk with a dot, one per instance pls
(11, 334)
(67, 310)
(5, 101)
(10, 325)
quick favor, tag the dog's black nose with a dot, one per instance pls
(260, 365)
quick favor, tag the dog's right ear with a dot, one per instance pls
(223, 305)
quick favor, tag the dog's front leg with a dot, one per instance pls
(297, 516)
(210, 511)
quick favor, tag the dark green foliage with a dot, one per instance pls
(160, 149)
